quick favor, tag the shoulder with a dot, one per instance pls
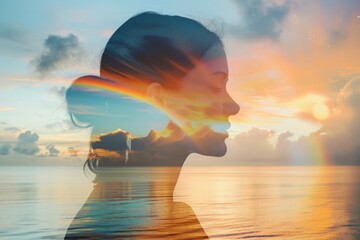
(185, 220)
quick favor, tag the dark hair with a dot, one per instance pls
(149, 47)
(156, 48)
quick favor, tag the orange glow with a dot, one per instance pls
(320, 111)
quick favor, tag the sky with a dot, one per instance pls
(294, 71)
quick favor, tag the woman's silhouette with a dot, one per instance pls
(161, 95)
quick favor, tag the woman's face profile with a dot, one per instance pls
(202, 103)
(161, 94)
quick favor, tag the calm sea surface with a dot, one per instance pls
(229, 202)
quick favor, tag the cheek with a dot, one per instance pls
(213, 110)
(195, 104)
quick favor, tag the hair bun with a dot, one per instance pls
(85, 101)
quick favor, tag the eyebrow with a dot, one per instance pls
(223, 75)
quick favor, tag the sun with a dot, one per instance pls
(320, 111)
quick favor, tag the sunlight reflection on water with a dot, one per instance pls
(230, 202)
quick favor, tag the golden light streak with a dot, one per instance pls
(6, 108)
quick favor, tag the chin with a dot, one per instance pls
(210, 143)
(214, 148)
(220, 150)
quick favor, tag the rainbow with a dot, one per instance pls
(318, 151)
(313, 152)
(97, 83)
(91, 83)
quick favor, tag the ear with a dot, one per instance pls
(155, 92)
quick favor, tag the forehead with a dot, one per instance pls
(215, 59)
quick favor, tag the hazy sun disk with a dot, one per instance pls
(320, 111)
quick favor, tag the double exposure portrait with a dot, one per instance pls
(156, 71)
(122, 120)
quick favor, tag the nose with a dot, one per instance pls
(230, 106)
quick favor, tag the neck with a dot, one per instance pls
(157, 183)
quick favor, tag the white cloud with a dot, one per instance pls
(27, 143)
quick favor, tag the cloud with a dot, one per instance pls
(9, 134)
(63, 125)
(342, 130)
(350, 93)
(4, 149)
(113, 141)
(72, 151)
(252, 148)
(336, 142)
(168, 147)
(260, 18)
(59, 91)
(275, 76)
(13, 129)
(53, 152)
(54, 125)
(164, 148)
(58, 52)
(14, 40)
(11, 34)
(27, 143)
(141, 143)
(154, 149)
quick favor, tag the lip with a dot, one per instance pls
(228, 125)
(223, 128)
(225, 132)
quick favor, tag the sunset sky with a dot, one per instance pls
(294, 71)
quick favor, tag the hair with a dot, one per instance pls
(147, 48)
(152, 47)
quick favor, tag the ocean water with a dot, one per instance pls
(223, 202)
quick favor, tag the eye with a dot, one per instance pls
(218, 82)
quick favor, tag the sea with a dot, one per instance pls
(242, 202)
